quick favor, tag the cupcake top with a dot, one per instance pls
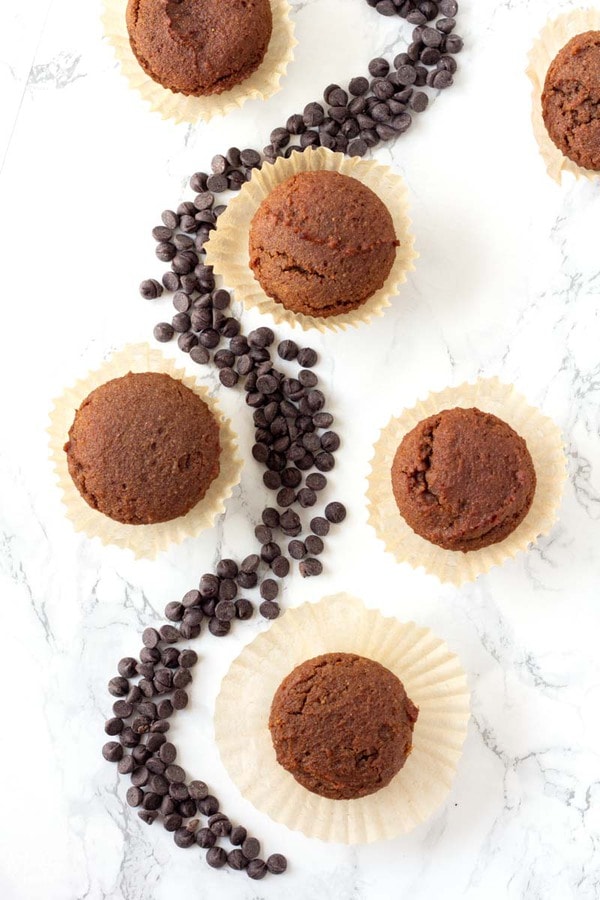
(143, 448)
(199, 47)
(571, 100)
(463, 479)
(342, 725)
(322, 243)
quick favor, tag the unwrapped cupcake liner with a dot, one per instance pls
(553, 37)
(261, 84)
(227, 250)
(432, 676)
(143, 540)
(545, 444)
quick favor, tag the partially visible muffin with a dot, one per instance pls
(322, 243)
(199, 47)
(571, 100)
(342, 725)
(143, 449)
(463, 479)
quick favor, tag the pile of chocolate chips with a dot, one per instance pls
(140, 722)
(292, 429)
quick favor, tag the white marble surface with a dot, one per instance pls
(508, 284)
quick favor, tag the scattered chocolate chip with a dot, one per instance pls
(310, 567)
(335, 512)
(216, 857)
(257, 869)
(205, 838)
(276, 864)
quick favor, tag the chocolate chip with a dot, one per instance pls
(276, 864)
(251, 848)
(280, 566)
(118, 686)
(126, 765)
(306, 498)
(148, 816)
(257, 869)
(307, 357)
(287, 350)
(175, 774)
(205, 838)
(335, 512)
(269, 609)
(199, 355)
(310, 567)
(358, 87)
(243, 609)
(236, 860)
(225, 610)
(219, 824)
(151, 289)
(151, 801)
(208, 805)
(184, 838)
(448, 7)
(112, 751)
(314, 545)
(313, 115)
(172, 822)
(218, 628)
(238, 835)
(269, 589)
(216, 857)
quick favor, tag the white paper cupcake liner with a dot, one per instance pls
(142, 540)
(227, 250)
(432, 676)
(553, 37)
(544, 442)
(261, 84)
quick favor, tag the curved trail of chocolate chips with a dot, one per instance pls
(292, 435)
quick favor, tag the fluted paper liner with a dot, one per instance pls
(261, 84)
(544, 442)
(227, 250)
(432, 676)
(553, 37)
(144, 540)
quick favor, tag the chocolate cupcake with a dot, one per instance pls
(316, 240)
(199, 47)
(148, 446)
(342, 725)
(571, 100)
(322, 243)
(463, 479)
(143, 449)
(317, 707)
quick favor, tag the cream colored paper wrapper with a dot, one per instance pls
(227, 250)
(553, 38)
(261, 84)
(434, 681)
(544, 442)
(143, 540)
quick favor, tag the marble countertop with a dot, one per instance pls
(507, 284)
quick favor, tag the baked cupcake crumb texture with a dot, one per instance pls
(322, 243)
(199, 47)
(463, 479)
(143, 448)
(342, 725)
(571, 100)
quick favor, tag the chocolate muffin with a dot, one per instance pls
(199, 47)
(322, 243)
(143, 449)
(571, 100)
(342, 725)
(463, 479)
